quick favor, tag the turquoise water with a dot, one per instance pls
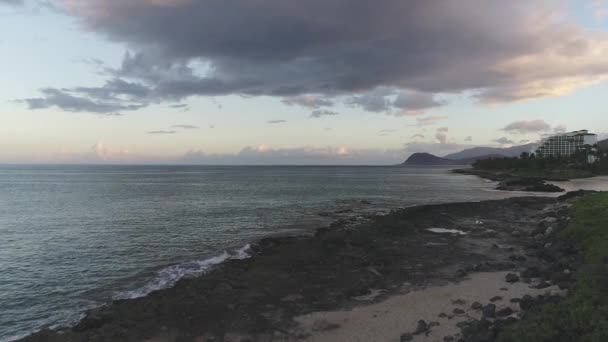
(74, 237)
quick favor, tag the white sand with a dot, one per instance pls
(389, 319)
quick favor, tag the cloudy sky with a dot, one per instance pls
(291, 81)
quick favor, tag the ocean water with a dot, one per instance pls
(75, 237)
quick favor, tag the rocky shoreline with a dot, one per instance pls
(509, 182)
(347, 265)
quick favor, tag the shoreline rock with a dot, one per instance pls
(290, 276)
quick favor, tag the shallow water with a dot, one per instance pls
(74, 237)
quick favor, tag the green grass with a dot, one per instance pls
(583, 315)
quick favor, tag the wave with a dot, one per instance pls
(169, 276)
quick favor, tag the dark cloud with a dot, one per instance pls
(524, 127)
(162, 132)
(504, 141)
(468, 139)
(185, 126)
(72, 103)
(373, 101)
(276, 121)
(501, 50)
(322, 112)
(415, 103)
(524, 141)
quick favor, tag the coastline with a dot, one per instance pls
(344, 266)
(507, 181)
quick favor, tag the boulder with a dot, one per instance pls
(512, 278)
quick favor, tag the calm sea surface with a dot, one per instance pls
(74, 237)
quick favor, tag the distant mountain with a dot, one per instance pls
(486, 152)
(603, 145)
(420, 159)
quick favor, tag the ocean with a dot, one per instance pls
(76, 237)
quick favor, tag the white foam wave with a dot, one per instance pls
(446, 231)
(169, 276)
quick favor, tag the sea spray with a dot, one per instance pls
(169, 276)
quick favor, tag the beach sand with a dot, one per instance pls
(399, 314)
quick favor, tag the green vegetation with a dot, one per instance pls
(583, 315)
(551, 168)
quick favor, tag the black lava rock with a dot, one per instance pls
(489, 311)
(512, 278)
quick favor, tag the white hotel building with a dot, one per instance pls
(565, 144)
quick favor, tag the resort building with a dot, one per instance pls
(565, 144)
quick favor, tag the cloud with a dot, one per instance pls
(504, 141)
(468, 139)
(162, 132)
(386, 132)
(322, 112)
(276, 121)
(438, 149)
(429, 120)
(71, 103)
(323, 49)
(441, 138)
(524, 141)
(559, 129)
(443, 129)
(12, 2)
(185, 126)
(267, 155)
(417, 136)
(524, 127)
(373, 101)
(308, 101)
(415, 103)
(101, 152)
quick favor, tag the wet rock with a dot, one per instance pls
(504, 312)
(458, 311)
(434, 324)
(549, 231)
(495, 299)
(323, 325)
(421, 327)
(476, 306)
(443, 315)
(512, 278)
(517, 258)
(449, 339)
(531, 272)
(406, 337)
(526, 302)
(489, 311)
(542, 285)
(459, 302)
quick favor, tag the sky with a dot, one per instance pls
(291, 81)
